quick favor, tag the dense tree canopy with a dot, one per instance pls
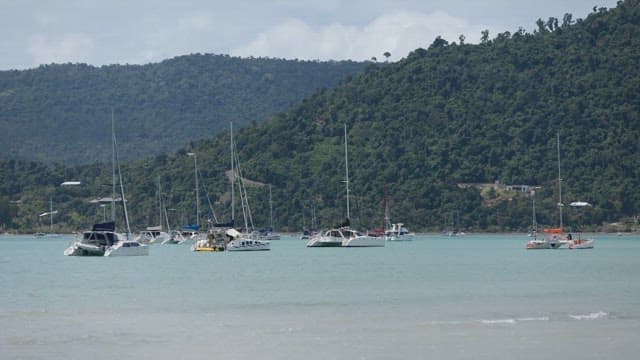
(61, 113)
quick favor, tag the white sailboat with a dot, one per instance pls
(246, 239)
(343, 235)
(455, 225)
(155, 234)
(50, 214)
(102, 240)
(269, 235)
(126, 246)
(555, 238)
(308, 233)
(94, 242)
(551, 241)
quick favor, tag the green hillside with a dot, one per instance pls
(425, 127)
(61, 113)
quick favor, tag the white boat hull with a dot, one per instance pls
(248, 245)
(127, 248)
(78, 248)
(364, 241)
(544, 244)
(581, 244)
(149, 237)
(324, 241)
(402, 237)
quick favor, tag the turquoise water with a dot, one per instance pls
(471, 297)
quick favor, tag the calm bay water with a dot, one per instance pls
(471, 297)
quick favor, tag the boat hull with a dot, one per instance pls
(129, 248)
(248, 245)
(322, 241)
(543, 244)
(80, 249)
(364, 241)
(208, 245)
(581, 244)
(402, 237)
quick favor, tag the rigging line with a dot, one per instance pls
(206, 193)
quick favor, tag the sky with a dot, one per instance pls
(103, 32)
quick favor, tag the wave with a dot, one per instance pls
(512, 321)
(590, 316)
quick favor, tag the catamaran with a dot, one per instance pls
(343, 235)
(247, 239)
(102, 240)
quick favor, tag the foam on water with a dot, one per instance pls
(590, 316)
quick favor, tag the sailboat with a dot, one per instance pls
(343, 235)
(267, 233)
(102, 240)
(49, 213)
(247, 239)
(455, 225)
(225, 236)
(555, 237)
(308, 233)
(155, 234)
(395, 231)
(391, 232)
(127, 245)
(549, 242)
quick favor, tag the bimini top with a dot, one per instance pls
(553, 231)
(191, 227)
(107, 226)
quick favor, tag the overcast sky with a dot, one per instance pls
(100, 32)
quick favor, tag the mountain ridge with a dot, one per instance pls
(61, 112)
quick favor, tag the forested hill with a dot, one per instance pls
(61, 113)
(473, 114)
(452, 114)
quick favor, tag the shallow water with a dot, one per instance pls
(471, 297)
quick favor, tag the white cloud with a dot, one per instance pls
(46, 50)
(399, 33)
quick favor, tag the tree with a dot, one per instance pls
(461, 38)
(541, 28)
(567, 20)
(485, 36)
(438, 42)
(387, 55)
(552, 24)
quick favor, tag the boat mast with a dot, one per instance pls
(123, 200)
(560, 204)
(159, 204)
(270, 209)
(195, 171)
(346, 167)
(113, 169)
(533, 220)
(233, 173)
(50, 215)
(385, 210)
